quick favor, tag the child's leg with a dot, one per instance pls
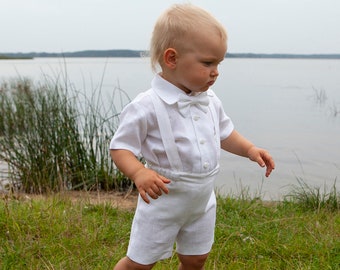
(128, 264)
(192, 262)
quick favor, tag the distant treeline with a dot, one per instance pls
(88, 53)
(282, 55)
(7, 57)
(136, 53)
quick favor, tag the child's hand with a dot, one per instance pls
(262, 157)
(150, 182)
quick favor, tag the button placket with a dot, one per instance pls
(201, 141)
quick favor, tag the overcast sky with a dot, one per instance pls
(257, 26)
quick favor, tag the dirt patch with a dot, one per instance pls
(120, 200)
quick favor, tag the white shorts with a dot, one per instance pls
(186, 218)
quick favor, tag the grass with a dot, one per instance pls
(320, 97)
(55, 232)
(314, 197)
(281, 236)
(335, 110)
(54, 137)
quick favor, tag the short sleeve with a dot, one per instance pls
(226, 125)
(132, 129)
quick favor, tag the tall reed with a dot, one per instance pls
(314, 198)
(54, 137)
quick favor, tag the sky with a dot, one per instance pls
(261, 26)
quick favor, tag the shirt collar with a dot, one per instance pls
(168, 92)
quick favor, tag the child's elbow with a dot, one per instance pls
(113, 154)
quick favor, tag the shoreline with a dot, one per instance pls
(141, 53)
(116, 199)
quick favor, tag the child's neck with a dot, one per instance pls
(170, 79)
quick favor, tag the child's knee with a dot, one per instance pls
(193, 261)
(127, 263)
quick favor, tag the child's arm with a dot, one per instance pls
(239, 145)
(147, 181)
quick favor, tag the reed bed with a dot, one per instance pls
(54, 137)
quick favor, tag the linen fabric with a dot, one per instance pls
(195, 135)
(187, 214)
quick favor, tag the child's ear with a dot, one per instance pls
(170, 58)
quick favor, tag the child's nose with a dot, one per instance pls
(214, 72)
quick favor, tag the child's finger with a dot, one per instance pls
(144, 196)
(162, 185)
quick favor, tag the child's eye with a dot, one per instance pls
(207, 63)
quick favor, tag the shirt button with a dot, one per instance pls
(206, 165)
(202, 141)
(196, 117)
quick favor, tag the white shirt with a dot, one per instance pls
(195, 134)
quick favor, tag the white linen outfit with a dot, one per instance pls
(179, 137)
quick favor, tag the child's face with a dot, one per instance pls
(197, 69)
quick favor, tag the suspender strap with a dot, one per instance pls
(166, 133)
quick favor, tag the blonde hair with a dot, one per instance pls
(175, 26)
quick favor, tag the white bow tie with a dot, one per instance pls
(201, 101)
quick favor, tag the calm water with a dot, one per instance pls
(271, 101)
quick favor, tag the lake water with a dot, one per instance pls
(273, 102)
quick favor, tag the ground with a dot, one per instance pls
(116, 199)
(121, 200)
